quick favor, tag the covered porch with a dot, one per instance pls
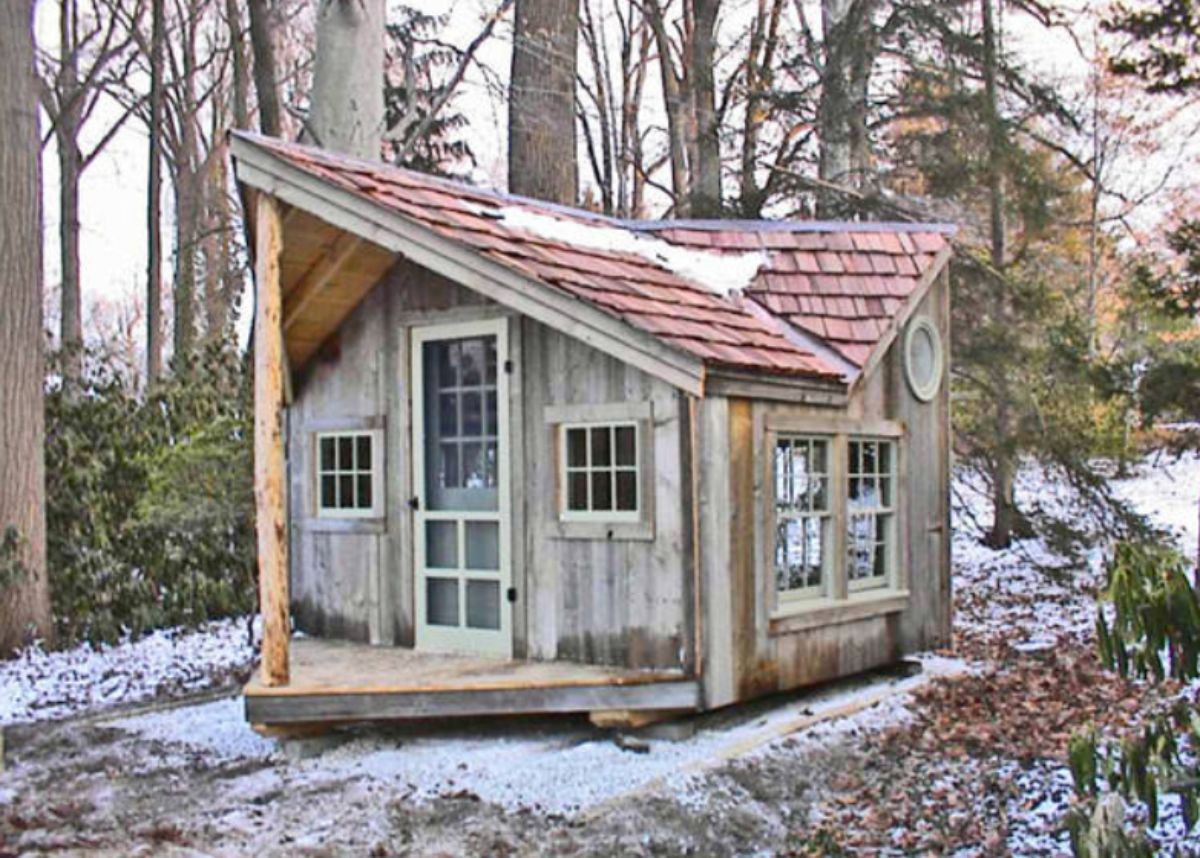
(333, 681)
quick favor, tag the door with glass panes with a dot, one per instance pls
(460, 469)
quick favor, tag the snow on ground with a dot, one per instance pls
(550, 766)
(1167, 489)
(562, 766)
(722, 273)
(1031, 595)
(40, 685)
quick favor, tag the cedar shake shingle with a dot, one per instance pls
(842, 283)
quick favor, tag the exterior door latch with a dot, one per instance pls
(414, 502)
(508, 367)
(512, 594)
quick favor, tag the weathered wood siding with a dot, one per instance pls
(352, 578)
(744, 655)
(603, 600)
(618, 601)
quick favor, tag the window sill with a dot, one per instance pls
(602, 530)
(799, 617)
(344, 524)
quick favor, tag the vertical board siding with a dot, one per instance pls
(601, 601)
(742, 659)
(356, 583)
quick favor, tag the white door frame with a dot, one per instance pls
(447, 638)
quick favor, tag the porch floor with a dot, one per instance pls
(335, 681)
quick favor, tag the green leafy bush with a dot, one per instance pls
(150, 500)
(1154, 634)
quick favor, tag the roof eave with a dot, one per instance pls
(267, 172)
(823, 391)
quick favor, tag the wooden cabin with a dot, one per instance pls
(513, 457)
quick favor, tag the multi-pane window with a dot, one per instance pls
(600, 470)
(870, 513)
(347, 474)
(468, 425)
(801, 516)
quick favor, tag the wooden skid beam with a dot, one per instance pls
(269, 499)
(382, 706)
(633, 719)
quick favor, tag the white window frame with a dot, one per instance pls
(614, 515)
(376, 472)
(826, 518)
(924, 391)
(889, 510)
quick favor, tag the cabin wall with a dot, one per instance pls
(747, 652)
(617, 600)
(352, 578)
(603, 600)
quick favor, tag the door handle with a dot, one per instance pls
(414, 503)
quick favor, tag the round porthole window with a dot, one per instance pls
(923, 358)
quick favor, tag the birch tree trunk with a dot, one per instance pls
(25, 600)
(347, 112)
(541, 106)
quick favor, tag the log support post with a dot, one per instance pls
(269, 479)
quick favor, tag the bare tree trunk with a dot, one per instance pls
(1004, 509)
(71, 320)
(154, 321)
(24, 600)
(677, 109)
(266, 85)
(237, 50)
(70, 168)
(347, 113)
(833, 109)
(542, 159)
(706, 170)
(188, 201)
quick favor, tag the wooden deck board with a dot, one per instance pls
(338, 667)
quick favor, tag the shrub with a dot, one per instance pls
(149, 510)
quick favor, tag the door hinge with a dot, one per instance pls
(508, 367)
(512, 594)
(414, 502)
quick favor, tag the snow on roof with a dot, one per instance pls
(724, 274)
(696, 286)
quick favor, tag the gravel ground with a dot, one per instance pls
(965, 760)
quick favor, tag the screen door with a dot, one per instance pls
(460, 449)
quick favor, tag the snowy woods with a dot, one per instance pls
(1061, 138)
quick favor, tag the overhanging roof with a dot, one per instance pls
(810, 305)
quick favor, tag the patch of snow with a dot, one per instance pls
(1167, 490)
(550, 767)
(39, 685)
(721, 273)
(1010, 593)
(218, 729)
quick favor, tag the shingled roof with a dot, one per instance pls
(810, 300)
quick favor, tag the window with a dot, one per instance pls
(923, 359)
(870, 513)
(801, 516)
(600, 471)
(463, 412)
(348, 472)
